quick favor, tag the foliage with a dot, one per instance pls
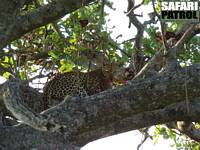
(180, 141)
(64, 45)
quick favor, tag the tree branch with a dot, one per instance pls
(37, 18)
(14, 104)
(186, 127)
(116, 110)
(24, 137)
(138, 55)
(153, 63)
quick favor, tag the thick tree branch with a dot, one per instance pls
(24, 137)
(41, 16)
(14, 103)
(176, 111)
(115, 111)
(153, 63)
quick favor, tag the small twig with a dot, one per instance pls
(101, 13)
(186, 91)
(186, 88)
(185, 36)
(121, 50)
(16, 71)
(154, 8)
(134, 7)
(129, 40)
(163, 32)
(146, 136)
(137, 15)
(176, 49)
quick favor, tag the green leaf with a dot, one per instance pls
(7, 75)
(147, 2)
(66, 66)
(22, 74)
(6, 59)
(53, 55)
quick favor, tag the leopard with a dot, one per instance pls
(79, 84)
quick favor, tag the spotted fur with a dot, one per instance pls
(75, 83)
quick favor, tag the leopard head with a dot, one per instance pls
(115, 72)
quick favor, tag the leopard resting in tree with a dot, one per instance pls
(81, 84)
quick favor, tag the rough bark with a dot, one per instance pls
(22, 137)
(13, 25)
(140, 103)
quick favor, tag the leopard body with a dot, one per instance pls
(75, 83)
